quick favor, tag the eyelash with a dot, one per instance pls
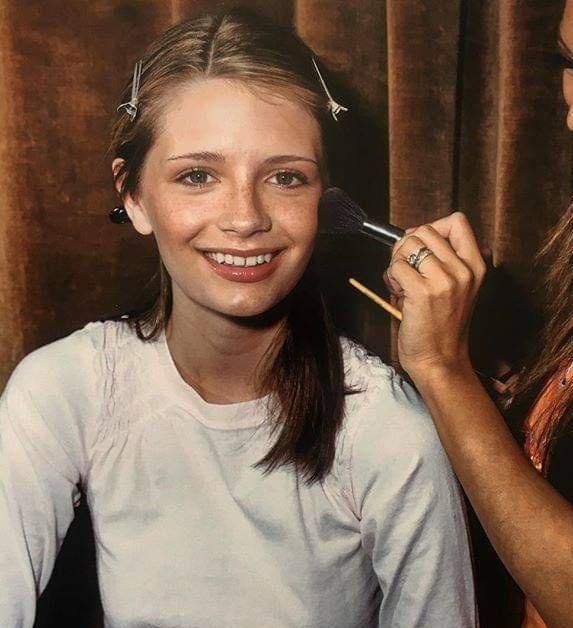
(183, 178)
(302, 179)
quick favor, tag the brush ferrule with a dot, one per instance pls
(388, 234)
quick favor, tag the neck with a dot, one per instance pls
(219, 356)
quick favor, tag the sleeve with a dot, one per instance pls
(411, 513)
(42, 458)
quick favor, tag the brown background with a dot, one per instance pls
(454, 105)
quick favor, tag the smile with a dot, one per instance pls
(258, 266)
(237, 260)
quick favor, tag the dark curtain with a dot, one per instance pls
(454, 105)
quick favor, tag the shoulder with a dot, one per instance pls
(56, 394)
(69, 358)
(382, 400)
(73, 368)
(389, 435)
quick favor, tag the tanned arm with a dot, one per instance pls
(528, 522)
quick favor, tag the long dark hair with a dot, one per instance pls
(554, 347)
(306, 372)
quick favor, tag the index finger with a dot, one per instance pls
(457, 230)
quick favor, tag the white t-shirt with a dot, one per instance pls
(189, 534)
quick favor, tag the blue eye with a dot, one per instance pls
(197, 177)
(288, 179)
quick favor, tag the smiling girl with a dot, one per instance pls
(243, 465)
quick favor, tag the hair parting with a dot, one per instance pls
(304, 371)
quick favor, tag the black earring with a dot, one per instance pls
(119, 216)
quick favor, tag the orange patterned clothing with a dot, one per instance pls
(531, 619)
(535, 446)
(536, 435)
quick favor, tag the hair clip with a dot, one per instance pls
(334, 107)
(131, 106)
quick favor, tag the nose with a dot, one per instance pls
(245, 213)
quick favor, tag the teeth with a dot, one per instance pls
(236, 260)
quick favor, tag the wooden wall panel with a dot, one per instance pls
(532, 184)
(469, 115)
(472, 111)
(514, 160)
(350, 38)
(514, 143)
(64, 263)
(423, 61)
(479, 102)
(279, 10)
(13, 284)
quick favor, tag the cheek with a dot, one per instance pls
(300, 219)
(302, 227)
(178, 222)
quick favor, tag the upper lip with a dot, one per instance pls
(242, 252)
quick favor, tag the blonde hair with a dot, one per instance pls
(236, 45)
(306, 376)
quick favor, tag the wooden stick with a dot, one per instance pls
(395, 312)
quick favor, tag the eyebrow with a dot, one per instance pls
(218, 157)
(286, 158)
(200, 156)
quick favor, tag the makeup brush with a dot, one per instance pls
(338, 213)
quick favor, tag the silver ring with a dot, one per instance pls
(416, 258)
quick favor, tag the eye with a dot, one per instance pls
(196, 177)
(288, 179)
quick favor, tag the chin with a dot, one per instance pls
(248, 310)
(245, 300)
(263, 307)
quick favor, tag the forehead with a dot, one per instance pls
(232, 117)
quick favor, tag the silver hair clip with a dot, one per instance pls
(335, 108)
(131, 106)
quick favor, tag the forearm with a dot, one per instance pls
(528, 522)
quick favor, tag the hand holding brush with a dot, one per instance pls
(434, 274)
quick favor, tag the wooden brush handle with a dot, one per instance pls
(394, 311)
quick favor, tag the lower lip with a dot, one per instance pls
(244, 274)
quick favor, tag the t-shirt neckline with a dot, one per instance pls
(240, 415)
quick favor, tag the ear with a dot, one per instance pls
(133, 205)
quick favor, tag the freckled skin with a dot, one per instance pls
(239, 200)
